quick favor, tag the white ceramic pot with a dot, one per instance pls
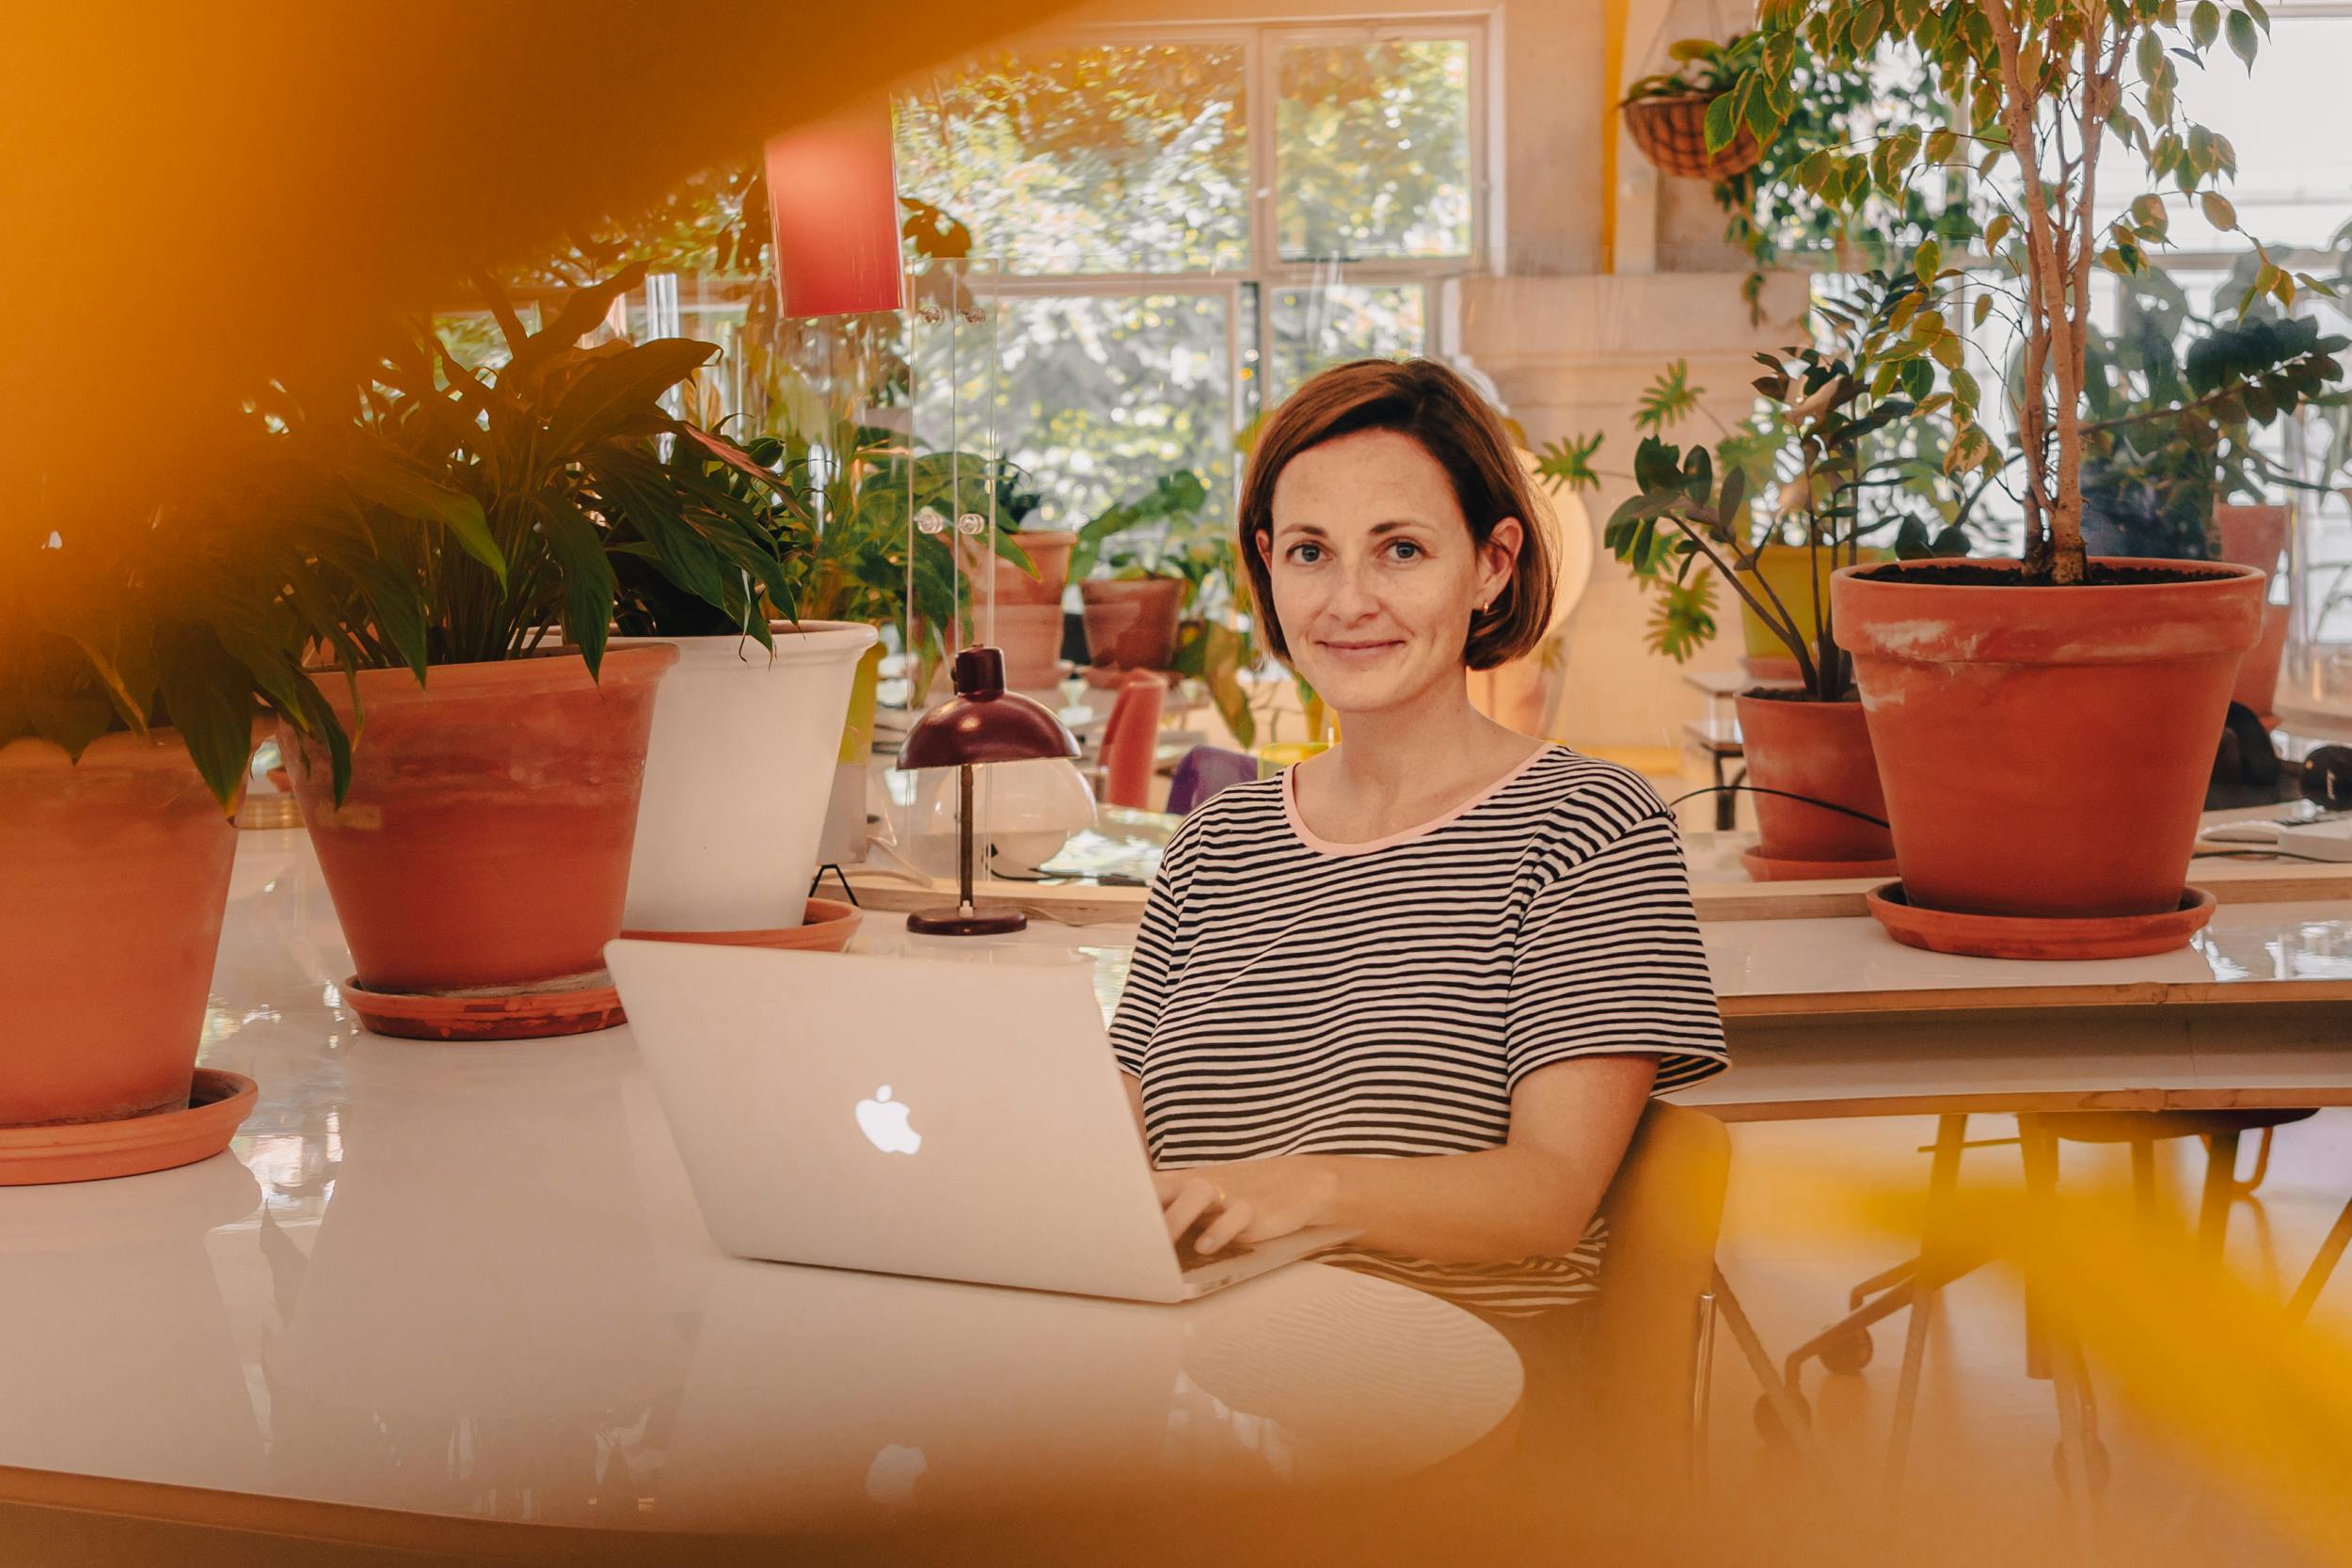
(737, 775)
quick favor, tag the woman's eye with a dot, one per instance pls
(1406, 550)
(1306, 555)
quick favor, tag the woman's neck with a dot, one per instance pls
(1428, 747)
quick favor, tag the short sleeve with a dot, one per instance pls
(1155, 955)
(1608, 962)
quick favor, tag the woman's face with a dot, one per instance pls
(1374, 574)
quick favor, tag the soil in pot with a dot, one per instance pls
(1131, 621)
(485, 839)
(1822, 752)
(114, 876)
(2045, 750)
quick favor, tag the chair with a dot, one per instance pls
(1649, 1346)
(1204, 771)
(1845, 1346)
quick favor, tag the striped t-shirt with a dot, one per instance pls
(1290, 995)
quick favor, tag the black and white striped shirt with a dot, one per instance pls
(1290, 995)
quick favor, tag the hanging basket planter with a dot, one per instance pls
(1672, 134)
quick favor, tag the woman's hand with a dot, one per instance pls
(1249, 1200)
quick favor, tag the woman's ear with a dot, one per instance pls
(1266, 546)
(1499, 558)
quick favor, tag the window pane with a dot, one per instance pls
(1103, 158)
(2290, 123)
(1318, 327)
(1100, 395)
(1374, 150)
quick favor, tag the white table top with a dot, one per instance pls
(470, 1280)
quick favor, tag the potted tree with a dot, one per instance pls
(480, 859)
(137, 654)
(2045, 727)
(1814, 460)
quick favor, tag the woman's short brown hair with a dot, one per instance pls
(1437, 408)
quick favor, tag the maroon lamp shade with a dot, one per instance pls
(833, 201)
(984, 722)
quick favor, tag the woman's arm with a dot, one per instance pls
(1533, 1196)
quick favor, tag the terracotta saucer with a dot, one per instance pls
(218, 1102)
(570, 1004)
(827, 928)
(1764, 868)
(1997, 936)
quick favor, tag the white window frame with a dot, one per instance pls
(1266, 272)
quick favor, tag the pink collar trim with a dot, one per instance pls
(1322, 846)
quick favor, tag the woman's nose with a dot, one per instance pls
(1353, 596)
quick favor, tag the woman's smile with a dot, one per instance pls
(1356, 650)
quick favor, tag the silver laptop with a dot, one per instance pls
(949, 1118)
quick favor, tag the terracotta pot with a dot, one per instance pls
(1030, 636)
(2258, 671)
(114, 873)
(1048, 550)
(486, 840)
(2256, 536)
(1783, 568)
(2252, 537)
(1131, 621)
(1820, 751)
(2045, 751)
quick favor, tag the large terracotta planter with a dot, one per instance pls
(2256, 536)
(1784, 568)
(114, 873)
(1131, 621)
(2045, 751)
(737, 775)
(486, 840)
(1820, 751)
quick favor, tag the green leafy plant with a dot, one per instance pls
(200, 617)
(860, 490)
(1807, 461)
(2037, 86)
(1150, 535)
(1905, 502)
(1768, 214)
(562, 464)
(2173, 422)
(1703, 68)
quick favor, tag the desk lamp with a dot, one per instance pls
(981, 722)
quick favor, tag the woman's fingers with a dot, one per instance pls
(1182, 1202)
(1227, 1227)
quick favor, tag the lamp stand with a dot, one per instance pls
(967, 919)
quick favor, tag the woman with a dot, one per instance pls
(1422, 985)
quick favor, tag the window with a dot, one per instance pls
(1171, 229)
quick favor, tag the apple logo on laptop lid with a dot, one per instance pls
(883, 1120)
